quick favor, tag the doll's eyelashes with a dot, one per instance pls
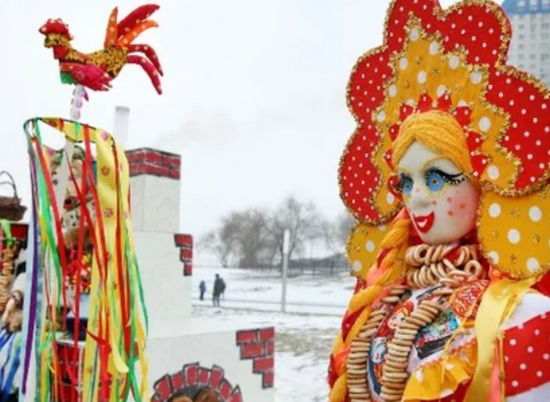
(436, 179)
(405, 184)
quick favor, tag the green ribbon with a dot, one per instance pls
(6, 228)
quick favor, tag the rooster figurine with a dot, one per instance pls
(96, 70)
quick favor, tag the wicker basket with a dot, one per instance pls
(10, 207)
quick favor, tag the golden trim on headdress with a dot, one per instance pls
(416, 60)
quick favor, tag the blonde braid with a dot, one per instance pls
(393, 266)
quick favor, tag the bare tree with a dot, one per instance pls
(247, 232)
(344, 224)
(215, 242)
(330, 236)
(255, 236)
(335, 233)
(302, 221)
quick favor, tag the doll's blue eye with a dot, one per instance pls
(435, 181)
(406, 185)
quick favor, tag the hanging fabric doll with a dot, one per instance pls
(12, 314)
(447, 175)
(71, 220)
(12, 291)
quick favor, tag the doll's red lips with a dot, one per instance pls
(424, 223)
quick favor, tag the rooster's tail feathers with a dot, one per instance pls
(135, 18)
(149, 68)
(127, 39)
(111, 35)
(149, 53)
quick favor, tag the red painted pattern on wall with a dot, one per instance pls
(185, 243)
(258, 345)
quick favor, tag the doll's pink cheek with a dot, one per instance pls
(455, 208)
(463, 202)
(459, 203)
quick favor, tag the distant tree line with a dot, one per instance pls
(253, 237)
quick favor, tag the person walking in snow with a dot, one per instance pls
(222, 289)
(202, 288)
(218, 285)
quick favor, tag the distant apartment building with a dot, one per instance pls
(530, 47)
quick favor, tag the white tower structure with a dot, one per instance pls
(183, 351)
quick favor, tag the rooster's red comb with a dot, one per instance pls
(55, 26)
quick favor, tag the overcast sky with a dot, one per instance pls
(254, 93)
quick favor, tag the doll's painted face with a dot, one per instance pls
(441, 200)
(71, 193)
(400, 314)
(396, 319)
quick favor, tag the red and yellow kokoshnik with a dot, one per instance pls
(452, 60)
(117, 318)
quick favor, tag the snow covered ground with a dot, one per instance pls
(262, 290)
(304, 335)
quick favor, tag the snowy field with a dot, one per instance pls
(327, 295)
(303, 338)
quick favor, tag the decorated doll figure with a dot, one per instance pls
(399, 315)
(12, 257)
(71, 207)
(12, 312)
(73, 222)
(447, 175)
(12, 292)
(75, 226)
(11, 322)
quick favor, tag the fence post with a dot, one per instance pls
(284, 272)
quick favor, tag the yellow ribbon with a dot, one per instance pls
(498, 302)
(100, 293)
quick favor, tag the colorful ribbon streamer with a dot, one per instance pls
(117, 319)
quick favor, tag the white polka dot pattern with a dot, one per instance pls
(526, 348)
(512, 233)
(363, 247)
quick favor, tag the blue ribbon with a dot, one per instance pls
(13, 371)
(9, 342)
